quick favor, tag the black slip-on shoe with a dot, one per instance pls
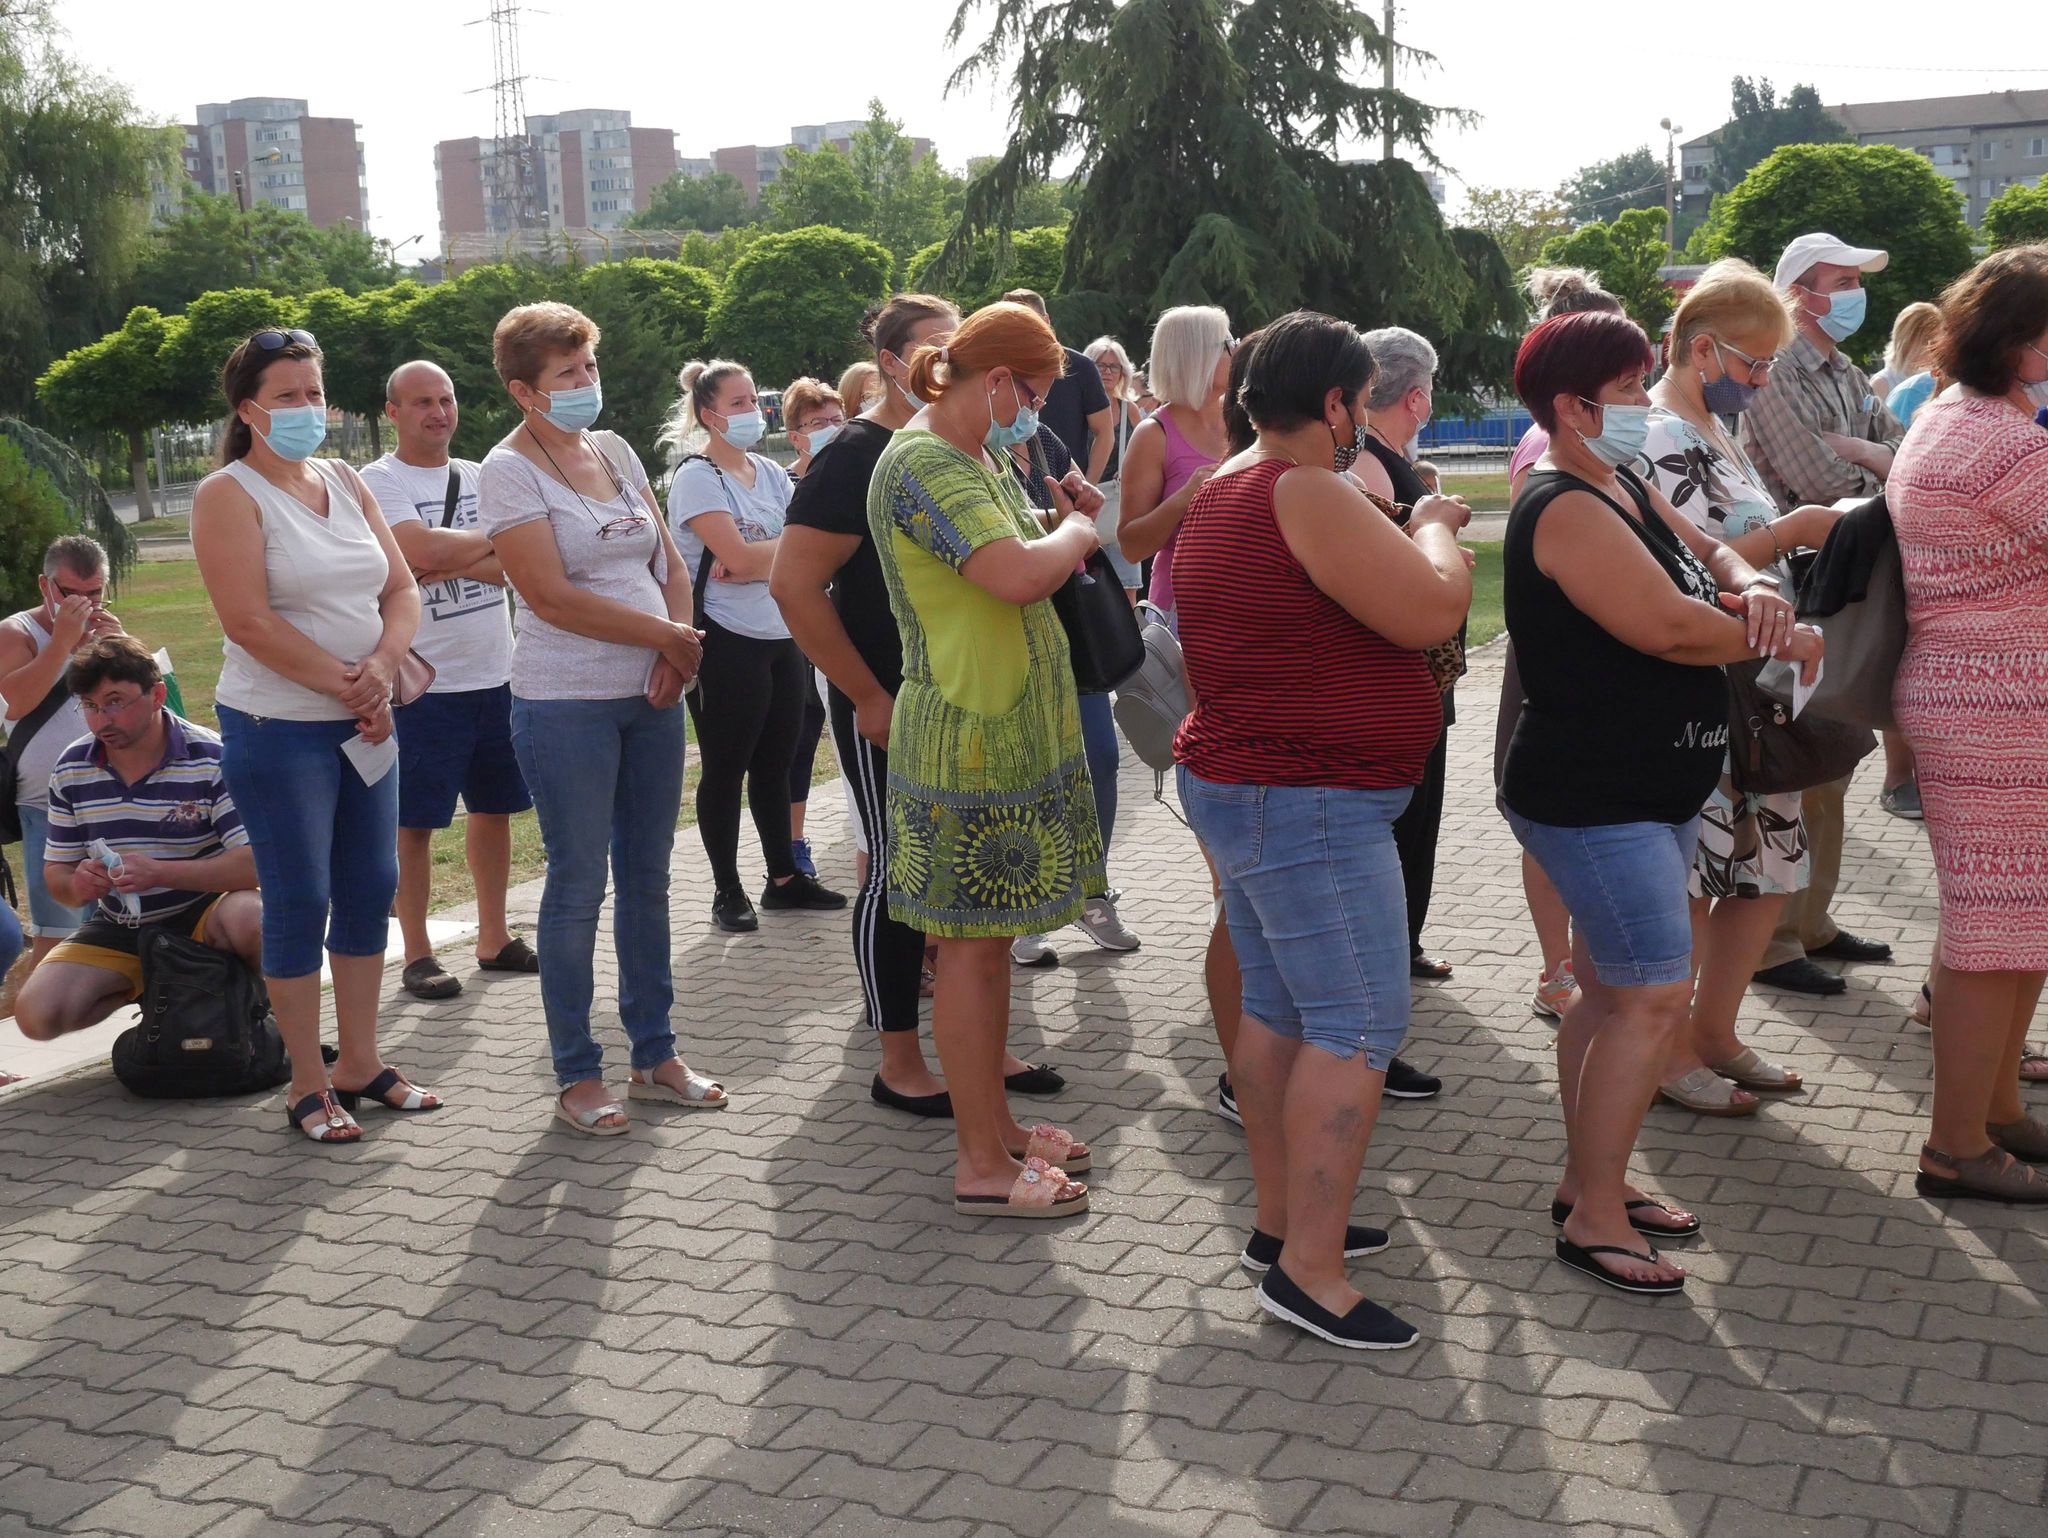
(1848, 947)
(1368, 1327)
(1407, 1082)
(936, 1106)
(800, 892)
(731, 911)
(1801, 976)
(1262, 1250)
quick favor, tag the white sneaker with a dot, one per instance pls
(1100, 919)
(1032, 951)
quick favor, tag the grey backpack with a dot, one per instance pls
(1154, 700)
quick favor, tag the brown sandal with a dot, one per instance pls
(2025, 1139)
(1994, 1175)
(2033, 1066)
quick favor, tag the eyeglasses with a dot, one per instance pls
(271, 341)
(631, 523)
(97, 595)
(618, 528)
(1759, 368)
(110, 707)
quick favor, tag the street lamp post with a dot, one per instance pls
(1671, 133)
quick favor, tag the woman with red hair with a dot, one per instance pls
(1622, 612)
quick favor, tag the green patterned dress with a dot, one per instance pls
(992, 826)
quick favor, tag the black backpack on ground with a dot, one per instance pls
(206, 1029)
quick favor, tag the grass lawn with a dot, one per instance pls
(179, 527)
(1483, 493)
(1487, 618)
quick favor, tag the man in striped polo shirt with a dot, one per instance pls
(146, 786)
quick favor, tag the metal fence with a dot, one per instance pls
(182, 456)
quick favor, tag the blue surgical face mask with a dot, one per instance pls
(574, 410)
(743, 429)
(295, 431)
(1024, 425)
(1846, 309)
(1624, 430)
(1726, 396)
(818, 437)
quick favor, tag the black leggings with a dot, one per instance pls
(748, 708)
(806, 756)
(888, 955)
(1415, 833)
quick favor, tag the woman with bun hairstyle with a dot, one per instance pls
(992, 829)
(726, 506)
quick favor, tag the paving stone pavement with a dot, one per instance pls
(770, 1321)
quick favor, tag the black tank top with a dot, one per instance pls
(1608, 734)
(1409, 490)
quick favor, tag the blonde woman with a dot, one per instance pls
(1114, 365)
(1752, 851)
(1914, 332)
(861, 387)
(1173, 453)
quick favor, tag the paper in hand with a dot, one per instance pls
(373, 760)
(1801, 690)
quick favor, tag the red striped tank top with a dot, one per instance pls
(1289, 688)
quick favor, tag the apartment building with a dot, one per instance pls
(756, 166)
(592, 169)
(1983, 144)
(271, 149)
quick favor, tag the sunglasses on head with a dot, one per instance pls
(271, 341)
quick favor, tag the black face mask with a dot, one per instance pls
(1346, 455)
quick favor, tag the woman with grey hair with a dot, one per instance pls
(1403, 386)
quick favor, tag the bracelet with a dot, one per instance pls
(1777, 549)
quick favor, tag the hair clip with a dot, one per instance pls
(945, 353)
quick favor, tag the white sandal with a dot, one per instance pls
(1707, 1093)
(695, 1095)
(588, 1122)
(1756, 1073)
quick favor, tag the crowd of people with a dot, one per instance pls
(1262, 500)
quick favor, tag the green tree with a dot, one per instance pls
(915, 199)
(1610, 187)
(1868, 195)
(653, 315)
(213, 244)
(91, 513)
(32, 513)
(815, 187)
(1759, 123)
(1481, 345)
(363, 337)
(1627, 254)
(1520, 220)
(452, 324)
(1205, 135)
(794, 302)
(1031, 259)
(76, 162)
(193, 354)
(709, 203)
(2018, 216)
(1039, 204)
(115, 385)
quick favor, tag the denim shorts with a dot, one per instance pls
(48, 919)
(458, 743)
(1625, 887)
(1312, 886)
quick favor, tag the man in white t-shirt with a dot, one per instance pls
(456, 739)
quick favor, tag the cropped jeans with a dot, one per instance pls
(606, 777)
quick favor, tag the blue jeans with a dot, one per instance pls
(1625, 887)
(604, 773)
(1312, 886)
(326, 844)
(47, 918)
(12, 942)
(1105, 757)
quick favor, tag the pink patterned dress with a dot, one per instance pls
(1969, 497)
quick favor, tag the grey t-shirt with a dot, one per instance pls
(745, 608)
(549, 663)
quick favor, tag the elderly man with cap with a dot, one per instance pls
(1820, 434)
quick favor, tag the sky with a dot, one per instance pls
(1555, 87)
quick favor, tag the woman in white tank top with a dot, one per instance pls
(317, 608)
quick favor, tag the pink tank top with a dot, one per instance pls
(1183, 459)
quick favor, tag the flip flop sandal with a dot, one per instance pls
(1429, 968)
(339, 1127)
(517, 956)
(587, 1122)
(1559, 1211)
(1580, 1258)
(428, 979)
(1923, 1006)
(1749, 1069)
(1706, 1092)
(2033, 1066)
(378, 1092)
(1055, 1148)
(1041, 1191)
(695, 1095)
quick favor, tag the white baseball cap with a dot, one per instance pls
(1803, 253)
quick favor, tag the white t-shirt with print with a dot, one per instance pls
(745, 608)
(465, 628)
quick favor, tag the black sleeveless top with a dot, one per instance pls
(1409, 490)
(1608, 734)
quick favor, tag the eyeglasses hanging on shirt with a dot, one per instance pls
(630, 523)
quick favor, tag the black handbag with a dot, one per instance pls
(1101, 626)
(1770, 752)
(206, 1029)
